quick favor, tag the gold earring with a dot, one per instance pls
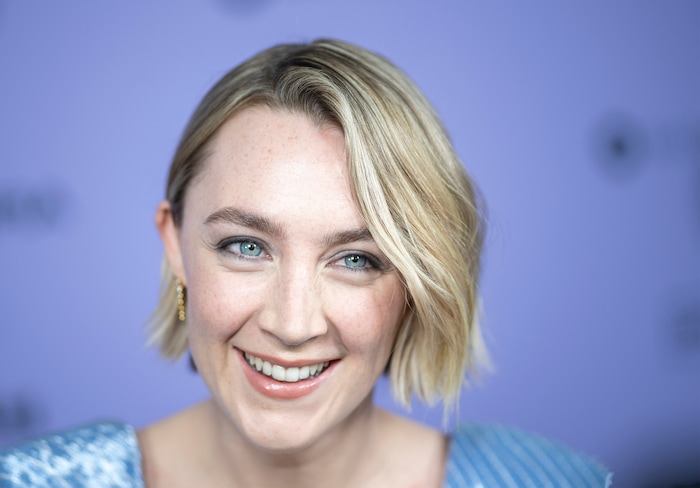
(180, 290)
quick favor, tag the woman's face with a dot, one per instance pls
(292, 308)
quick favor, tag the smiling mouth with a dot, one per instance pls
(287, 375)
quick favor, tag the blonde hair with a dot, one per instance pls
(418, 201)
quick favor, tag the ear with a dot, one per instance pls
(170, 235)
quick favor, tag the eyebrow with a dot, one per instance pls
(346, 237)
(232, 215)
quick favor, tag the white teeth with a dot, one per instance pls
(292, 375)
(280, 373)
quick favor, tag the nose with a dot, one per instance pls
(294, 308)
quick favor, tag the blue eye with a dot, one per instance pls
(250, 248)
(355, 261)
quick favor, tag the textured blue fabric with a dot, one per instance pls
(100, 455)
(481, 456)
(488, 456)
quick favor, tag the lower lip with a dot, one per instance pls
(280, 390)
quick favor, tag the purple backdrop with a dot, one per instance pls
(580, 122)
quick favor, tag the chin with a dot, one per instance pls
(282, 434)
(281, 430)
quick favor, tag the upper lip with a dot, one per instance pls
(287, 363)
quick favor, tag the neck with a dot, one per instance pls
(343, 456)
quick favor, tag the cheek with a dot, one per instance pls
(219, 303)
(367, 319)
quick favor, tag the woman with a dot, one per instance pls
(319, 230)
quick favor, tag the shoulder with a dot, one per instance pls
(497, 456)
(103, 454)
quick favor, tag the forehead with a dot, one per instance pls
(263, 135)
(270, 160)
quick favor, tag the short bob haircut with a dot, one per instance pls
(418, 201)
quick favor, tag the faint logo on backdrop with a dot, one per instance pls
(26, 206)
(22, 416)
(243, 7)
(620, 145)
(624, 148)
(681, 320)
(686, 322)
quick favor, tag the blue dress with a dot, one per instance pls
(481, 456)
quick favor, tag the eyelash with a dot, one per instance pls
(372, 263)
(225, 245)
